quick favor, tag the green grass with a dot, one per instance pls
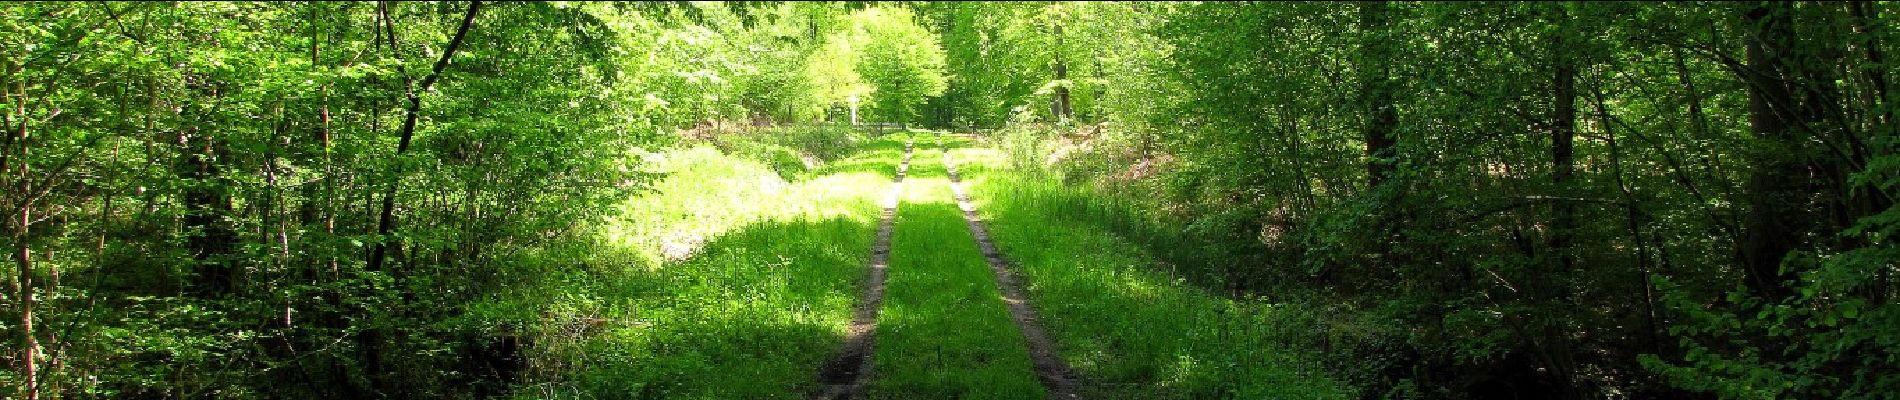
(727, 282)
(1133, 331)
(944, 332)
(707, 193)
(731, 282)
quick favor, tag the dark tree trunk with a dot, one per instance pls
(1866, 18)
(1882, 124)
(1563, 131)
(1776, 190)
(209, 236)
(1382, 118)
(385, 221)
(371, 339)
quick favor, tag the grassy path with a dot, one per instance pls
(945, 332)
(766, 280)
(746, 282)
(845, 375)
(1056, 376)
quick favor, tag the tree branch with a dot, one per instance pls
(386, 221)
(454, 44)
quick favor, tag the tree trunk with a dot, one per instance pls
(29, 348)
(371, 339)
(1375, 74)
(1877, 127)
(1775, 190)
(1098, 108)
(31, 345)
(1882, 124)
(1563, 130)
(210, 239)
(1634, 220)
(16, 150)
(1866, 17)
(386, 220)
(1060, 105)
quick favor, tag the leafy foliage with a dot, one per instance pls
(1615, 236)
(468, 199)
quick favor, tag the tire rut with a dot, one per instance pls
(846, 375)
(1057, 378)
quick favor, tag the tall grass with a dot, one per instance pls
(726, 281)
(1134, 330)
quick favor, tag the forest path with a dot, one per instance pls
(941, 317)
(844, 376)
(1056, 376)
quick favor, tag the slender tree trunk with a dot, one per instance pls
(21, 229)
(1633, 219)
(29, 348)
(1563, 131)
(386, 220)
(1374, 76)
(1060, 106)
(210, 238)
(1866, 18)
(1874, 70)
(1099, 108)
(372, 338)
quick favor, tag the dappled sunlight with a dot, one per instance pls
(706, 194)
(1105, 200)
(759, 305)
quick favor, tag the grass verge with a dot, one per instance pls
(1135, 332)
(725, 282)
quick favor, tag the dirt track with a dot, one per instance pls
(1056, 376)
(846, 375)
